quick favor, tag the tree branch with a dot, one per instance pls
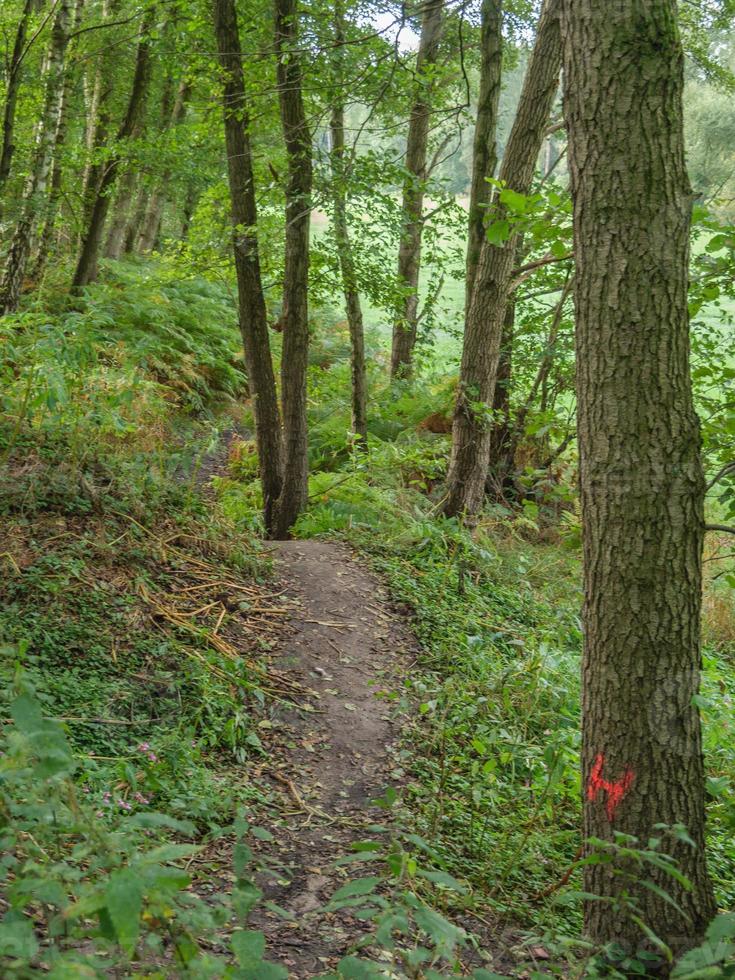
(723, 528)
(727, 468)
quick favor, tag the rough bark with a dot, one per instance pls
(115, 239)
(484, 152)
(154, 212)
(11, 95)
(251, 301)
(98, 124)
(86, 270)
(499, 480)
(135, 222)
(35, 194)
(409, 249)
(353, 307)
(471, 431)
(641, 481)
(295, 321)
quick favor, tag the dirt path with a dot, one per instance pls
(347, 647)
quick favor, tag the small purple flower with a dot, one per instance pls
(100, 813)
(124, 805)
(143, 747)
(153, 757)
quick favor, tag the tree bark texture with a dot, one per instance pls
(57, 172)
(251, 301)
(86, 270)
(151, 224)
(641, 481)
(484, 152)
(353, 307)
(472, 428)
(34, 199)
(98, 126)
(121, 215)
(295, 316)
(409, 249)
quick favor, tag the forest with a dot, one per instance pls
(367, 489)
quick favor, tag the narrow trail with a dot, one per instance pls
(335, 753)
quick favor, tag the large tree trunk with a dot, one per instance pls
(98, 122)
(121, 216)
(135, 222)
(344, 246)
(499, 480)
(86, 270)
(484, 152)
(251, 301)
(35, 196)
(409, 250)
(296, 270)
(151, 224)
(190, 203)
(641, 482)
(57, 171)
(11, 95)
(471, 432)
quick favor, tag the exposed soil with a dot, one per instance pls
(335, 754)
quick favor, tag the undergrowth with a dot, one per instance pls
(118, 621)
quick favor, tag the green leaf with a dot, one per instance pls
(513, 200)
(361, 886)
(445, 879)
(498, 232)
(248, 947)
(261, 833)
(17, 938)
(242, 857)
(124, 902)
(245, 896)
(350, 968)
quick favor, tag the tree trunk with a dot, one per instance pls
(471, 432)
(115, 241)
(344, 246)
(11, 96)
(54, 198)
(296, 269)
(409, 250)
(86, 270)
(152, 221)
(98, 125)
(484, 153)
(190, 203)
(135, 222)
(35, 196)
(499, 480)
(641, 482)
(251, 301)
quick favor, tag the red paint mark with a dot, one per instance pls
(616, 791)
